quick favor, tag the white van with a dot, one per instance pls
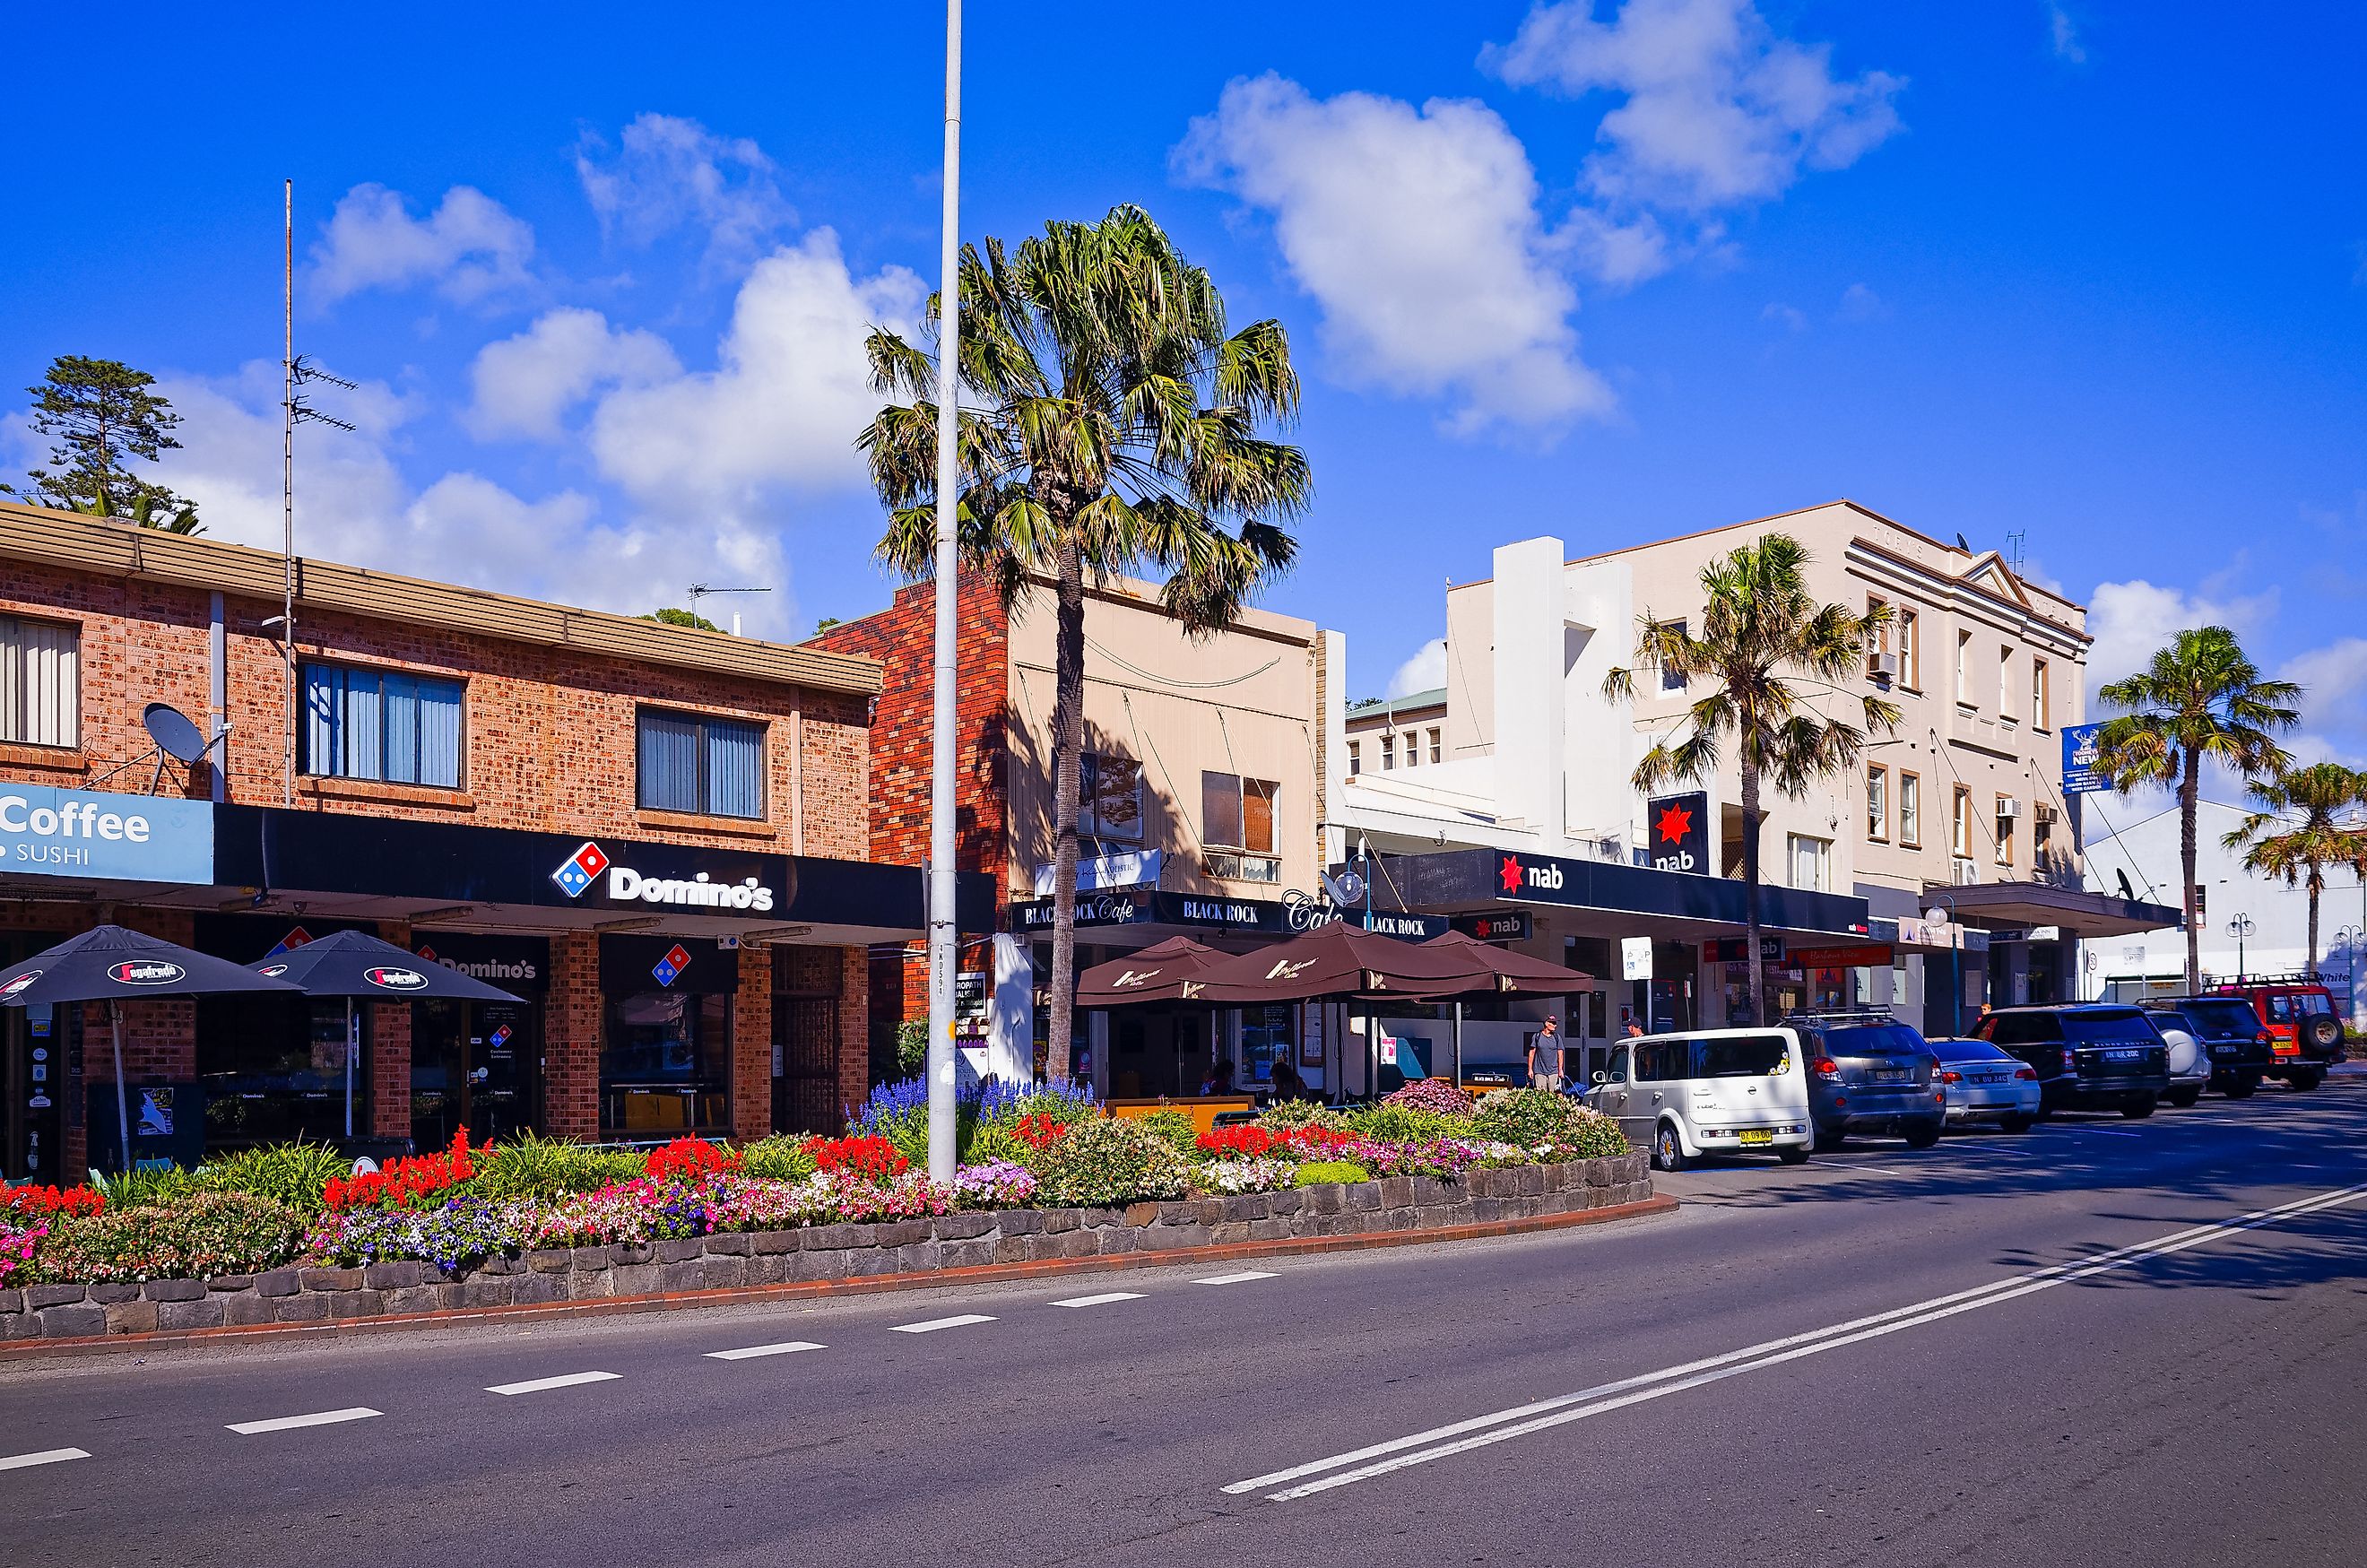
(1712, 1091)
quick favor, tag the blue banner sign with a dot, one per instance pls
(120, 838)
(2080, 774)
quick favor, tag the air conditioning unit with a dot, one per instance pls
(2047, 817)
(1882, 666)
(2008, 808)
(1964, 873)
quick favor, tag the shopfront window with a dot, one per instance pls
(665, 1064)
(713, 767)
(272, 1069)
(1266, 1038)
(382, 724)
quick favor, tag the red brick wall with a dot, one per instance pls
(751, 1047)
(570, 1038)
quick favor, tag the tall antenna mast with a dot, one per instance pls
(294, 373)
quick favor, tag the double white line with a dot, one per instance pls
(1502, 1425)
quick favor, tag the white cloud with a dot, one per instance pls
(470, 247)
(790, 392)
(525, 385)
(2131, 620)
(1789, 317)
(2333, 703)
(1426, 671)
(2064, 34)
(1860, 304)
(1417, 231)
(1719, 110)
(670, 173)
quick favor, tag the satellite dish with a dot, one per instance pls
(174, 734)
(1963, 544)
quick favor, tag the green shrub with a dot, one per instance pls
(913, 1048)
(1532, 1116)
(785, 1156)
(292, 1174)
(1594, 1135)
(1390, 1123)
(1107, 1161)
(529, 1166)
(1315, 1173)
(1176, 1127)
(203, 1235)
(159, 1184)
(993, 1142)
(1289, 1113)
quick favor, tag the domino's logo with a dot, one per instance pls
(581, 869)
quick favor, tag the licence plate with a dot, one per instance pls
(1990, 1078)
(1756, 1135)
(1890, 1074)
(2123, 1056)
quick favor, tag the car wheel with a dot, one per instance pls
(2308, 1077)
(1667, 1148)
(1830, 1140)
(2243, 1087)
(2325, 1033)
(2182, 1097)
(2015, 1123)
(1922, 1135)
(1793, 1154)
(2137, 1107)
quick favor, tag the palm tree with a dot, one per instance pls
(1110, 424)
(1761, 631)
(2298, 828)
(2200, 697)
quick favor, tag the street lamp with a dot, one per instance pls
(2239, 927)
(1955, 975)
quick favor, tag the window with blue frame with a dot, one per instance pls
(382, 724)
(693, 762)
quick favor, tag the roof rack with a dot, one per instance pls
(1863, 1011)
(2290, 977)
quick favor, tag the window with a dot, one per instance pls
(1662, 1061)
(1741, 1056)
(2041, 714)
(1910, 811)
(1879, 643)
(1669, 680)
(1910, 650)
(378, 724)
(1811, 861)
(1388, 752)
(40, 683)
(1109, 799)
(1237, 827)
(2005, 682)
(2008, 811)
(1877, 802)
(1355, 759)
(1413, 748)
(1438, 752)
(2042, 834)
(1964, 669)
(1960, 824)
(665, 1064)
(692, 762)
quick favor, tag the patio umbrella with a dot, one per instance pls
(111, 964)
(1163, 971)
(1517, 975)
(355, 964)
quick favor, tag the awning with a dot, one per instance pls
(2073, 911)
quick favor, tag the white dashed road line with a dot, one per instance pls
(964, 1321)
(47, 1456)
(1103, 1300)
(751, 1351)
(289, 1423)
(535, 1385)
(1242, 1277)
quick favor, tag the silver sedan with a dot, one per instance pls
(1984, 1084)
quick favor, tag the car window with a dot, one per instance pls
(2281, 1010)
(2221, 1019)
(2313, 1002)
(1744, 1056)
(1617, 1071)
(1662, 1061)
(1875, 1040)
(2105, 1023)
(1968, 1051)
(2021, 1028)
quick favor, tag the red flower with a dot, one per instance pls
(1250, 1141)
(34, 1202)
(1037, 1130)
(875, 1158)
(688, 1159)
(400, 1181)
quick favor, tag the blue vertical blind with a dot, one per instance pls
(371, 724)
(690, 762)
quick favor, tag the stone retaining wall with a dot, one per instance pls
(818, 1253)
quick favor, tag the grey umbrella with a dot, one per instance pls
(111, 964)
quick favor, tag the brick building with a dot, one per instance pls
(447, 755)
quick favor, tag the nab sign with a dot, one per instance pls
(1676, 829)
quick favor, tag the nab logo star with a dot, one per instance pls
(1510, 876)
(582, 869)
(1674, 824)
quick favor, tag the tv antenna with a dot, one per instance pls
(295, 371)
(700, 590)
(2013, 545)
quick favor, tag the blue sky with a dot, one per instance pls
(2097, 272)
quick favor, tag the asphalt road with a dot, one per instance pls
(2068, 1348)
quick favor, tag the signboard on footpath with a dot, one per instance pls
(45, 831)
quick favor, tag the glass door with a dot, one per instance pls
(33, 1081)
(471, 1066)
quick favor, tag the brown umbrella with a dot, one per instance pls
(1516, 973)
(1157, 973)
(1338, 959)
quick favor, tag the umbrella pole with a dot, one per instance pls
(1458, 1042)
(349, 1067)
(122, 1091)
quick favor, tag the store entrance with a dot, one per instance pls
(33, 1046)
(472, 1065)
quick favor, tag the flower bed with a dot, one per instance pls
(462, 1213)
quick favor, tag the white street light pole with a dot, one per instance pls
(943, 955)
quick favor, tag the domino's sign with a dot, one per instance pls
(87, 833)
(590, 867)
